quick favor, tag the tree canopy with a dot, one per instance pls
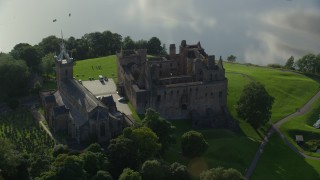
(163, 128)
(255, 104)
(193, 144)
(232, 58)
(221, 173)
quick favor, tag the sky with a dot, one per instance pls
(256, 31)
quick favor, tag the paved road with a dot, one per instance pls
(275, 128)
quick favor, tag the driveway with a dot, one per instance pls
(107, 88)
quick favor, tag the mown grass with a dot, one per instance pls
(105, 66)
(278, 161)
(302, 125)
(226, 148)
(291, 90)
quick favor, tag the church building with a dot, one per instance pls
(75, 111)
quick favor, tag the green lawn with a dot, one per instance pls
(302, 125)
(291, 90)
(226, 148)
(236, 150)
(278, 161)
(105, 66)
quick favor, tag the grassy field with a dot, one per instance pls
(226, 148)
(20, 129)
(302, 125)
(291, 90)
(236, 150)
(105, 66)
(279, 162)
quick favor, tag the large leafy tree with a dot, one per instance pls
(13, 77)
(146, 141)
(122, 153)
(163, 128)
(128, 43)
(179, 171)
(154, 46)
(9, 159)
(129, 174)
(221, 173)
(154, 169)
(48, 64)
(255, 104)
(290, 63)
(50, 44)
(232, 58)
(193, 144)
(28, 53)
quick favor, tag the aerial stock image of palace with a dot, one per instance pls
(159, 90)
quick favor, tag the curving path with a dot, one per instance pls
(275, 128)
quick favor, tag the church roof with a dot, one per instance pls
(80, 101)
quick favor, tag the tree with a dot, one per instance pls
(102, 175)
(48, 63)
(141, 44)
(146, 141)
(154, 169)
(232, 58)
(193, 144)
(129, 174)
(154, 46)
(28, 53)
(14, 75)
(221, 173)
(163, 128)
(178, 171)
(60, 149)
(90, 162)
(122, 153)
(9, 159)
(69, 167)
(128, 43)
(255, 104)
(290, 63)
(50, 44)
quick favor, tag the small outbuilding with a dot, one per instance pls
(299, 139)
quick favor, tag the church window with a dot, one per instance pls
(66, 73)
(220, 94)
(160, 65)
(177, 91)
(190, 89)
(205, 94)
(160, 73)
(211, 93)
(170, 64)
(211, 77)
(102, 129)
(158, 98)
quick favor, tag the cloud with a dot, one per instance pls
(286, 32)
(168, 14)
(305, 21)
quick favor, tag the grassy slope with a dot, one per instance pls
(83, 69)
(302, 125)
(279, 162)
(227, 148)
(291, 90)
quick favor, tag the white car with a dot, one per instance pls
(122, 99)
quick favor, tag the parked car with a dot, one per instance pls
(122, 99)
(101, 78)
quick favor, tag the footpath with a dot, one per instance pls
(275, 128)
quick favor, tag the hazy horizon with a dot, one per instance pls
(257, 31)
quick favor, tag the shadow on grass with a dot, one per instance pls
(278, 161)
(312, 76)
